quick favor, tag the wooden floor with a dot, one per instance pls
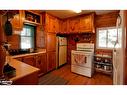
(75, 79)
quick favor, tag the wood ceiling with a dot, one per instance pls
(70, 13)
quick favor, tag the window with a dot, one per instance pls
(106, 37)
(27, 37)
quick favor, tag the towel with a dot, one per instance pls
(79, 59)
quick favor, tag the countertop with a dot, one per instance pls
(22, 69)
(23, 55)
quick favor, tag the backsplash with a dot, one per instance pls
(78, 38)
(103, 52)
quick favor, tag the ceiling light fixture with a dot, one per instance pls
(77, 10)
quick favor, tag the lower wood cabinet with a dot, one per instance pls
(44, 61)
(38, 60)
(31, 79)
(51, 60)
(29, 60)
(41, 63)
(19, 59)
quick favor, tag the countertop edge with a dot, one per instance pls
(23, 55)
(17, 64)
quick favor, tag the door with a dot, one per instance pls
(119, 54)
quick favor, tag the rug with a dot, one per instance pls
(51, 79)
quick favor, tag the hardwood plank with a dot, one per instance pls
(75, 79)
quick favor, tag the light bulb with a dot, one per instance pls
(77, 10)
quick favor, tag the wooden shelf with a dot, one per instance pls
(31, 22)
(103, 56)
(32, 18)
(103, 71)
(103, 63)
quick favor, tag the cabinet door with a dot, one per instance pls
(74, 25)
(51, 42)
(40, 37)
(50, 23)
(17, 21)
(51, 59)
(19, 59)
(41, 63)
(57, 25)
(29, 60)
(86, 23)
(64, 27)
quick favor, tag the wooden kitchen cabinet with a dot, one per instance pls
(87, 23)
(64, 28)
(32, 17)
(51, 42)
(51, 51)
(17, 21)
(40, 37)
(37, 60)
(51, 60)
(41, 63)
(74, 25)
(57, 26)
(50, 23)
(19, 59)
(79, 24)
(29, 60)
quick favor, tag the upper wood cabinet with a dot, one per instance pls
(17, 21)
(63, 27)
(87, 23)
(32, 17)
(74, 25)
(80, 24)
(51, 23)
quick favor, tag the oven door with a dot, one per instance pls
(81, 58)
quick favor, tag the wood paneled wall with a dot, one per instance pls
(82, 38)
(2, 34)
(106, 20)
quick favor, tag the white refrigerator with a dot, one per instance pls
(61, 51)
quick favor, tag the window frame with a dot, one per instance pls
(33, 37)
(97, 37)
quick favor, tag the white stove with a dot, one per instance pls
(82, 59)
